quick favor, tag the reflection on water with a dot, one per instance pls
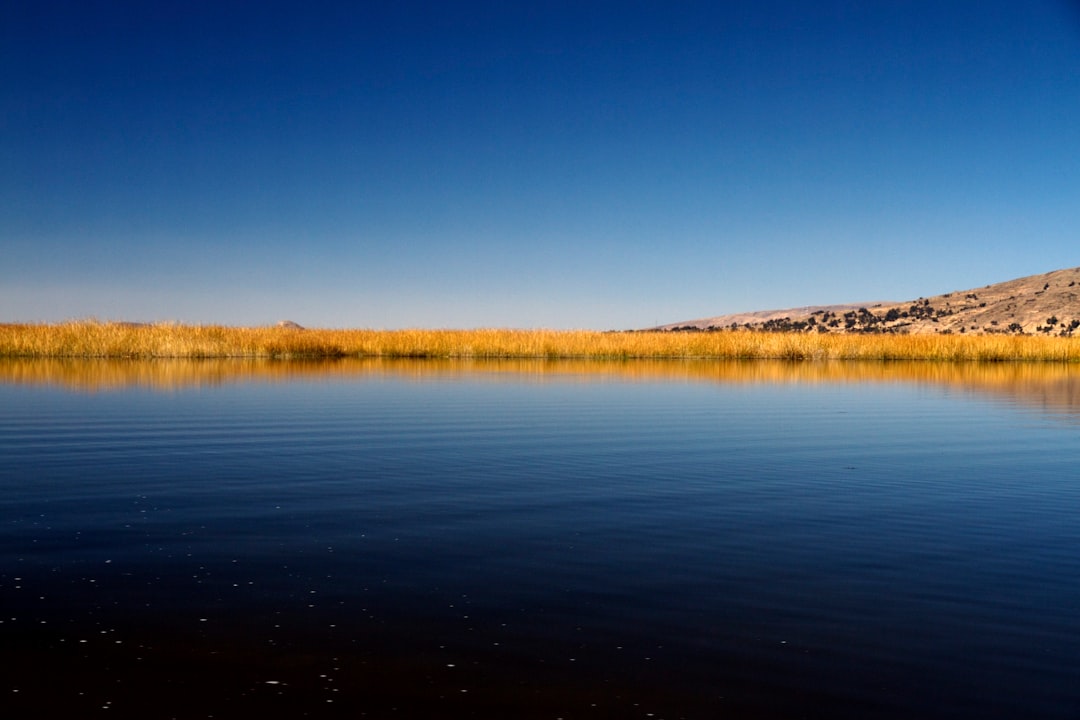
(1051, 387)
(371, 538)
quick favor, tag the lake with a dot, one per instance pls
(539, 539)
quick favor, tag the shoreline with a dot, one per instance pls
(118, 340)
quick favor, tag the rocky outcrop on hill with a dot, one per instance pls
(1047, 304)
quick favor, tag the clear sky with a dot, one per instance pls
(574, 164)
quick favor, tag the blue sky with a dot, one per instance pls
(552, 164)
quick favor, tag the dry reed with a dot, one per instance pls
(92, 339)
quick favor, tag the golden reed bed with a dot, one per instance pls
(91, 339)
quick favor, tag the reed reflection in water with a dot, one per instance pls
(1052, 387)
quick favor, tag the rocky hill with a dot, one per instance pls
(1047, 304)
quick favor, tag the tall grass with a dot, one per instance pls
(92, 339)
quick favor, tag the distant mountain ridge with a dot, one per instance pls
(1046, 304)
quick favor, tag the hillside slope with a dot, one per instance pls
(1047, 304)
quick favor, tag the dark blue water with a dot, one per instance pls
(506, 545)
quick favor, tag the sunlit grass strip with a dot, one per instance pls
(91, 339)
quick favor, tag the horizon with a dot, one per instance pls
(599, 165)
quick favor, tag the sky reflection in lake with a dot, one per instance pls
(1053, 387)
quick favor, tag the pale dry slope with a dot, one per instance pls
(1047, 304)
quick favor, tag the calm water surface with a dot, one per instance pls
(516, 540)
